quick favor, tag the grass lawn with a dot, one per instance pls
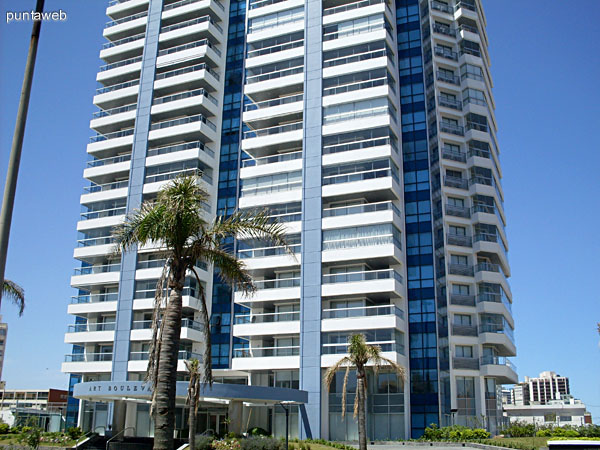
(312, 446)
(4, 443)
(536, 442)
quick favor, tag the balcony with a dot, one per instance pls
(283, 157)
(340, 349)
(275, 48)
(182, 355)
(449, 102)
(118, 86)
(362, 311)
(360, 114)
(358, 145)
(444, 29)
(261, 352)
(360, 85)
(477, 126)
(464, 330)
(108, 161)
(480, 152)
(105, 187)
(360, 209)
(189, 23)
(453, 155)
(355, 58)
(121, 63)
(462, 300)
(116, 134)
(185, 70)
(459, 239)
(89, 357)
(182, 121)
(464, 270)
(111, 212)
(272, 130)
(466, 5)
(447, 78)
(271, 189)
(500, 368)
(126, 19)
(266, 317)
(91, 327)
(346, 33)
(360, 176)
(487, 267)
(498, 328)
(367, 275)
(111, 44)
(495, 298)
(188, 2)
(88, 242)
(113, 111)
(449, 127)
(197, 145)
(455, 182)
(273, 102)
(88, 270)
(342, 244)
(446, 53)
(465, 363)
(351, 6)
(263, 252)
(147, 324)
(274, 75)
(443, 7)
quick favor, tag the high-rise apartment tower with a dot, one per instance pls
(368, 128)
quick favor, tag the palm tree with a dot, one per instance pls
(193, 368)
(174, 222)
(359, 355)
(15, 293)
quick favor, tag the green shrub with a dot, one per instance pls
(258, 431)
(225, 444)
(74, 433)
(454, 433)
(4, 428)
(547, 432)
(520, 429)
(203, 442)
(31, 436)
(261, 443)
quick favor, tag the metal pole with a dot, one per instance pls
(287, 427)
(17, 144)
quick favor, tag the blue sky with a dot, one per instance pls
(546, 68)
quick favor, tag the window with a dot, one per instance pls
(462, 319)
(463, 351)
(455, 201)
(465, 395)
(459, 259)
(461, 289)
(457, 231)
(474, 96)
(453, 173)
(471, 71)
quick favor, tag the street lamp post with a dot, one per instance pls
(286, 408)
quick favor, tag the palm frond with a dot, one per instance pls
(400, 371)
(14, 293)
(207, 356)
(140, 227)
(345, 391)
(331, 371)
(250, 225)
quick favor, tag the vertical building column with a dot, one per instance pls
(134, 193)
(310, 306)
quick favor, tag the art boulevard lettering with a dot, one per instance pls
(120, 388)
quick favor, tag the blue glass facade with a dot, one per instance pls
(221, 318)
(424, 402)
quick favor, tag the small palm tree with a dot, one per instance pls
(193, 368)
(174, 222)
(15, 293)
(359, 355)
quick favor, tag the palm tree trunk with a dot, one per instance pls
(164, 415)
(362, 422)
(192, 424)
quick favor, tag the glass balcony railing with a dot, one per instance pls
(184, 70)
(108, 161)
(489, 237)
(360, 176)
(104, 268)
(147, 324)
(439, 6)
(270, 189)
(362, 311)
(464, 330)
(487, 267)
(358, 145)
(118, 86)
(113, 111)
(112, 23)
(137, 37)
(465, 270)
(182, 121)
(444, 29)
(260, 3)
(367, 275)
(483, 153)
(88, 242)
(275, 48)
(274, 102)
(359, 209)
(189, 2)
(454, 155)
(141, 294)
(351, 6)
(448, 127)
(455, 182)
(273, 130)
(180, 48)
(122, 63)
(88, 327)
(261, 352)
(355, 86)
(279, 283)
(466, 5)
(285, 218)
(292, 16)
(495, 298)
(457, 211)
(359, 57)
(449, 102)
(462, 299)
(339, 34)
(111, 212)
(340, 244)
(477, 126)
(106, 186)
(267, 317)
(339, 349)
(497, 361)
(95, 298)
(459, 239)
(89, 357)
(499, 328)
(183, 95)
(180, 148)
(262, 252)
(176, 173)
(114, 135)
(446, 53)
(183, 354)
(447, 78)
(282, 157)
(189, 23)
(274, 75)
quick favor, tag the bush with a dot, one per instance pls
(74, 433)
(547, 432)
(261, 443)
(258, 431)
(203, 442)
(453, 433)
(520, 429)
(225, 444)
(31, 436)
(4, 428)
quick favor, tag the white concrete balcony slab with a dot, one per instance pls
(369, 282)
(95, 278)
(363, 186)
(130, 24)
(120, 7)
(388, 251)
(381, 120)
(275, 56)
(197, 99)
(200, 51)
(497, 247)
(356, 39)
(117, 94)
(102, 222)
(142, 365)
(87, 367)
(205, 130)
(355, 10)
(121, 48)
(495, 308)
(283, 137)
(89, 337)
(359, 94)
(99, 170)
(271, 198)
(113, 120)
(129, 66)
(140, 304)
(501, 340)
(202, 26)
(93, 250)
(188, 75)
(357, 66)
(268, 262)
(268, 295)
(374, 213)
(266, 328)
(376, 152)
(362, 322)
(145, 334)
(91, 304)
(294, 26)
(266, 358)
(500, 368)
(330, 360)
(110, 194)
(272, 108)
(125, 141)
(275, 167)
(280, 79)
(189, 7)
(264, 7)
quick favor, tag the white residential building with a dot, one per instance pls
(368, 128)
